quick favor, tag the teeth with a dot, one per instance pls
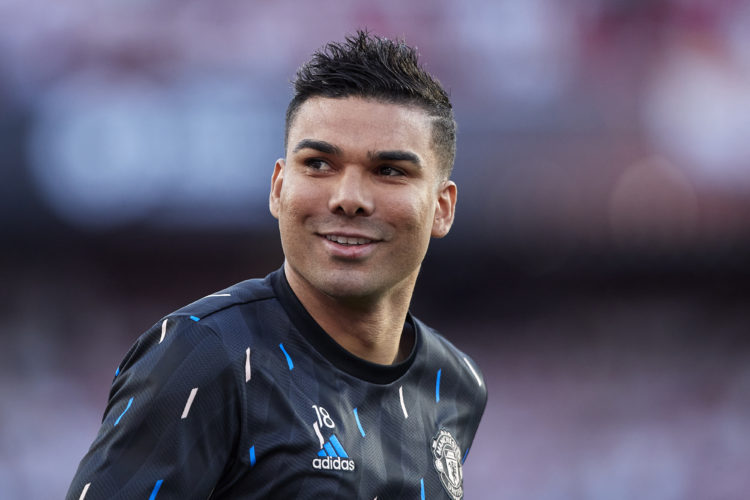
(343, 240)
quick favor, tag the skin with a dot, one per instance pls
(359, 171)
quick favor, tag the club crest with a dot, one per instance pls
(447, 460)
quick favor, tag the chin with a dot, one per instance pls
(364, 287)
(348, 288)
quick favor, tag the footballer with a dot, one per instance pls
(315, 381)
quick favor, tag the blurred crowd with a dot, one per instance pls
(606, 120)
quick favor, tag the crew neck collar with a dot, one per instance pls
(324, 344)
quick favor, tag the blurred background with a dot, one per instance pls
(597, 270)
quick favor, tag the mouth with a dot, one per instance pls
(348, 240)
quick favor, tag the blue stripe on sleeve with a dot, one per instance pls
(156, 489)
(125, 411)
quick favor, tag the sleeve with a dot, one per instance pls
(478, 390)
(171, 421)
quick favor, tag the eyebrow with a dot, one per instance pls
(322, 146)
(396, 156)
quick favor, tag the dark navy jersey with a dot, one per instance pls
(243, 395)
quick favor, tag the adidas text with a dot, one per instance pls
(336, 463)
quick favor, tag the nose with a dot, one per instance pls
(351, 193)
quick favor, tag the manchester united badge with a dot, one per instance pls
(447, 460)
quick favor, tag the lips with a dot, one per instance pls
(348, 240)
(351, 246)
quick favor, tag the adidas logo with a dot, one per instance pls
(333, 457)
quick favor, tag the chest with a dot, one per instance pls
(309, 434)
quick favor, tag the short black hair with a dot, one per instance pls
(369, 66)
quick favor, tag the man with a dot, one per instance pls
(314, 382)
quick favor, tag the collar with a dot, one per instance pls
(330, 349)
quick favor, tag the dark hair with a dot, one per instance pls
(373, 67)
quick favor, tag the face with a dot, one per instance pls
(358, 197)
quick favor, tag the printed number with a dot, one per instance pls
(323, 417)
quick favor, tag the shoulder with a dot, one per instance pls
(237, 313)
(202, 347)
(245, 292)
(441, 353)
(450, 377)
(211, 328)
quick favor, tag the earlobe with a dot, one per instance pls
(445, 209)
(277, 179)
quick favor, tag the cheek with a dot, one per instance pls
(295, 201)
(414, 216)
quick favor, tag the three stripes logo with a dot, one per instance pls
(333, 457)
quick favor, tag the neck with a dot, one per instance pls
(370, 328)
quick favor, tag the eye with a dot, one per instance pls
(317, 164)
(389, 171)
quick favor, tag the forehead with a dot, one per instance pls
(355, 123)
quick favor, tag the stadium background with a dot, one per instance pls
(597, 269)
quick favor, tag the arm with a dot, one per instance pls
(171, 421)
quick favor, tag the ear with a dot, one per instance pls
(277, 179)
(445, 209)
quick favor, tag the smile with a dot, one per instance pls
(345, 240)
